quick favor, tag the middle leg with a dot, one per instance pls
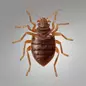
(27, 33)
(56, 28)
(60, 34)
(58, 42)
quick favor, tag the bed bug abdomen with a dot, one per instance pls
(43, 50)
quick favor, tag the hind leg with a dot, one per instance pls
(27, 41)
(56, 62)
(28, 49)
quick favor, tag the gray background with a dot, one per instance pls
(71, 70)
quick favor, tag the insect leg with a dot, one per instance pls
(56, 29)
(34, 25)
(56, 62)
(24, 26)
(58, 42)
(63, 23)
(27, 41)
(28, 49)
(29, 33)
(60, 34)
(53, 23)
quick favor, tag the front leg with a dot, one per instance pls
(60, 34)
(34, 25)
(27, 33)
(53, 23)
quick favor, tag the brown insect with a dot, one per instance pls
(43, 43)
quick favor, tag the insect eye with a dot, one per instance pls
(48, 21)
(38, 20)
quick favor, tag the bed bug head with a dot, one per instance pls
(43, 22)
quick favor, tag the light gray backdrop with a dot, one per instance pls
(71, 70)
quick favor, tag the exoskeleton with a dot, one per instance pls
(43, 42)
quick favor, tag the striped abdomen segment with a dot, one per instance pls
(43, 50)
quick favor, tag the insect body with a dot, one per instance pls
(43, 46)
(43, 43)
(43, 50)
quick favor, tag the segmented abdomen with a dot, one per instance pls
(43, 50)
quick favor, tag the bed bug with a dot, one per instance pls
(43, 42)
